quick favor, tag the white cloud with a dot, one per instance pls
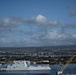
(4, 40)
(54, 22)
(57, 35)
(52, 35)
(39, 19)
(8, 22)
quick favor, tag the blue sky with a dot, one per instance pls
(25, 23)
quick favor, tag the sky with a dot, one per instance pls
(32, 23)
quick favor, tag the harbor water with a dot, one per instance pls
(70, 69)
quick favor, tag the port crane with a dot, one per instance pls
(62, 68)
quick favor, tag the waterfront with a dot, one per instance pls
(70, 69)
(54, 54)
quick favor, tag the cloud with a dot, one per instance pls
(19, 42)
(43, 21)
(8, 22)
(15, 31)
(57, 38)
(72, 13)
(56, 35)
(52, 32)
(67, 25)
(49, 39)
(74, 35)
(54, 22)
(52, 35)
(39, 19)
(3, 40)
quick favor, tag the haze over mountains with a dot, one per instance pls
(65, 47)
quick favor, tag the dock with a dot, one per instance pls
(68, 74)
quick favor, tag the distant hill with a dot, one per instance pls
(39, 48)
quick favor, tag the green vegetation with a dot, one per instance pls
(52, 60)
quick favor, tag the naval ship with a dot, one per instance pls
(23, 65)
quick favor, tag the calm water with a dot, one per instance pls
(71, 69)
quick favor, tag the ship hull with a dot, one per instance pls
(26, 69)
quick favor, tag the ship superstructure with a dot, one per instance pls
(23, 65)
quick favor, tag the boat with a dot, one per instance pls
(23, 65)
